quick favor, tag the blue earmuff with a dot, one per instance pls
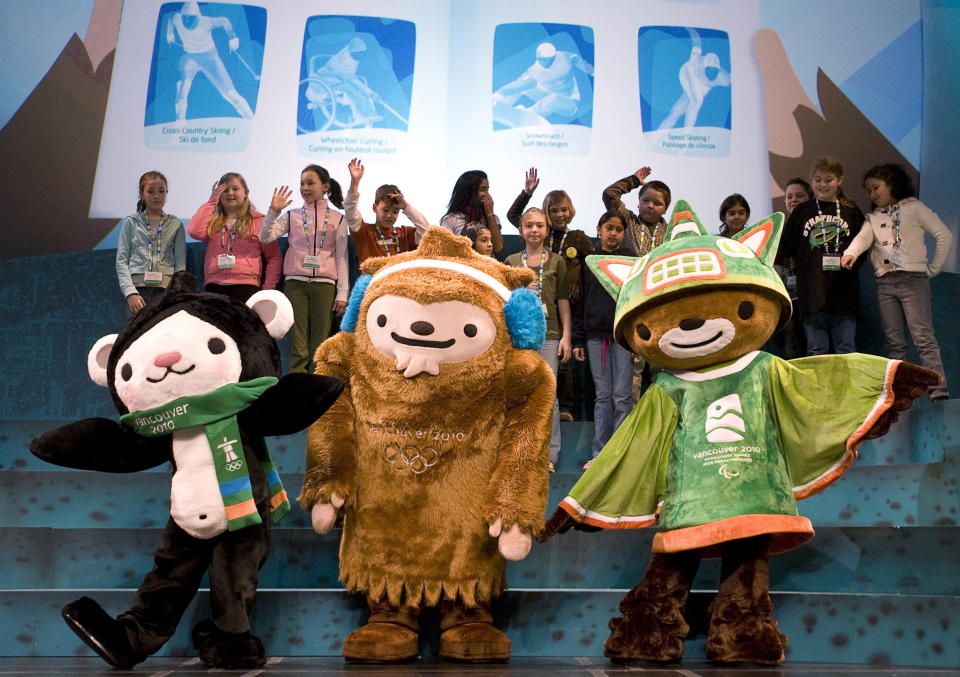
(349, 320)
(523, 312)
(526, 323)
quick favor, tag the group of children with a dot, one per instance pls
(823, 237)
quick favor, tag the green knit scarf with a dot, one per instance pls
(217, 412)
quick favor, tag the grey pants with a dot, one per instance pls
(905, 303)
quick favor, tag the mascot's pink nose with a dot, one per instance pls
(167, 359)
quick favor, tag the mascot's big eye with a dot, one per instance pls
(643, 332)
(381, 320)
(470, 330)
(745, 310)
(216, 346)
(126, 371)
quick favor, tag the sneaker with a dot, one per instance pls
(938, 396)
(552, 467)
(566, 417)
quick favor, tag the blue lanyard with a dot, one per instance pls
(153, 243)
(544, 254)
(823, 229)
(894, 212)
(306, 228)
(233, 237)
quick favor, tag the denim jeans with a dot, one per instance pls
(612, 370)
(905, 302)
(820, 328)
(549, 353)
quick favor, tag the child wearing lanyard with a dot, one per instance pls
(551, 287)
(815, 235)
(228, 223)
(152, 246)
(894, 234)
(572, 246)
(383, 237)
(316, 277)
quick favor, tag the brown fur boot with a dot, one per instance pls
(742, 628)
(469, 635)
(391, 634)
(652, 627)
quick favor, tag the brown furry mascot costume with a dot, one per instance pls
(725, 441)
(436, 452)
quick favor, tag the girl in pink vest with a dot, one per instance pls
(316, 278)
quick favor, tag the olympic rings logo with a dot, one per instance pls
(234, 465)
(410, 458)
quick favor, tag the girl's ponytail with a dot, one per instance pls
(335, 194)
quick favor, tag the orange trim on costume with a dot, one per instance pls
(767, 229)
(594, 522)
(606, 264)
(278, 499)
(854, 441)
(789, 531)
(684, 215)
(248, 507)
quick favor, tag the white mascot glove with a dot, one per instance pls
(513, 543)
(324, 515)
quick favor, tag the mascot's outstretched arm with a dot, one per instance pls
(517, 494)
(100, 444)
(910, 382)
(331, 448)
(296, 401)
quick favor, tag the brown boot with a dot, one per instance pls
(469, 635)
(742, 627)
(391, 634)
(652, 627)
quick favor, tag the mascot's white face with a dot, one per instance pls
(179, 356)
(422, 337)
(182, 355)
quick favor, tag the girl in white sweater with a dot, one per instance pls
(894, 233)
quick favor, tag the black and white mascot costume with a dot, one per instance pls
(195, 377)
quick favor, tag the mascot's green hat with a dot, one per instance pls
(689, 260)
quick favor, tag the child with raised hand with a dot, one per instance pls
(317, 279)
(815, 236)
(894, 233)
(611, 365)
(734, 213)
(550, 286)
(480, 238)
(229, 224)
(471, 203)
(571, 245)
(383, 237)
(644, 230)
(152, 245)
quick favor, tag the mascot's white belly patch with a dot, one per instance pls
(195, 501)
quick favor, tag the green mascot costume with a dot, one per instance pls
(726, 440)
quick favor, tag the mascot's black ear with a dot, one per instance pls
(182, 282)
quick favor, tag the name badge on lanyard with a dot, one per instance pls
(225, 261)
(311, 261)
(153, 278)
(897, 258)
(831, 263)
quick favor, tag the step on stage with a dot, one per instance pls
(572, 666)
